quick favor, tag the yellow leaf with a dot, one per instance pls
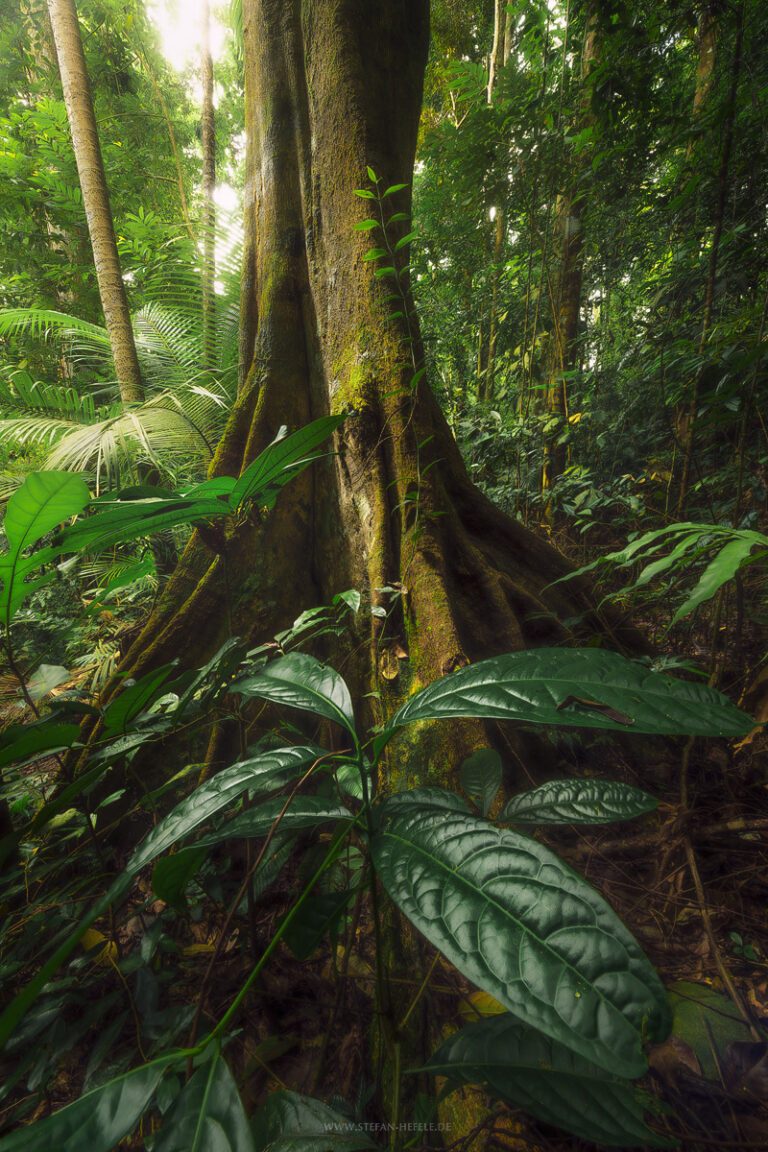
(479, 1004)
(108, 953)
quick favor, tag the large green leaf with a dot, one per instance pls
(289, 1122)
(23, 742)
(172, 874)
(579, 687)
(96, 1122)
(207, 1116)
(578, 802)
(302, 682)
(213, 796)
(723, 567)
(533, 1072)
(524, 927)
(38, 506)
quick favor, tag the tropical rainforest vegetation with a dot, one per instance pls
(382, 577)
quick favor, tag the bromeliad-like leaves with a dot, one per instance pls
(524, 927)
(208, 1114)
(578, 802)
(144, 510)
(42, 502)
(578, 687)
(302, 682)
(533, 1072)
(97, 1121)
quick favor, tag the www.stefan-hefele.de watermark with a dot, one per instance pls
(372, 1126)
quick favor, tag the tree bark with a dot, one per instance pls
(90, 167)
(330, 89)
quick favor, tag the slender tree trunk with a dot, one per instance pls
(499, 57)
(714, 251)
(85, 140)
(566, 305)
(209, 187)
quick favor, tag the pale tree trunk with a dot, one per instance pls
(209, 187)
(85, 141)
(566, 292)
(502, 32)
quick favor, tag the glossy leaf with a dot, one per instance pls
(582, 688)
(96, 1122)
(578, 802)
(531, 1071)
(481, 777)
(207, 1115)
(521, 925)
(212, 797)
(289, 1122)
(301, 681)
(171, 875)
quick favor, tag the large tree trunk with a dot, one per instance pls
(93, 184)
(330, 88)
(333, 87)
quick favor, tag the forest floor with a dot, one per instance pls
(690, 881)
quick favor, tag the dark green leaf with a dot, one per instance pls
(289, 1122)
(172, 874)
(207, 1116)
(481, 777)
(302, 682)
(525, 928)
(392, 189)
(535, 1073)
(135, 699)
(578, 802)
(314, 919)
(97, 1121)
(23, 742)
(212, 797)
(576, 688)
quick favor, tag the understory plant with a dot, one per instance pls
(580, 1001)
